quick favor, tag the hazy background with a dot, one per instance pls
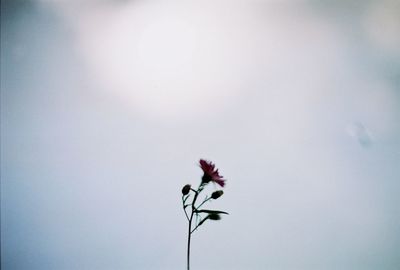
(106, 107)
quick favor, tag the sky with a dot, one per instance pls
(107, 107)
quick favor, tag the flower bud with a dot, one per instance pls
(217, 194)
(214, 216)
(186, 189)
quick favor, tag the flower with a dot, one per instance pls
(186, 189)
(210, 173)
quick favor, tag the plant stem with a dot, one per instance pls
(190, 225)
(189, 238)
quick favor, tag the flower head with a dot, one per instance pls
(210, 173)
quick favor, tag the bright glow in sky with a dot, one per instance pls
(106, 107)
(164, 59)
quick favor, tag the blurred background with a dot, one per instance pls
(107, 106)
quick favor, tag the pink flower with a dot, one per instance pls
(210, 173)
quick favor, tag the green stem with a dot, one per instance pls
(206, 200)
(189, 238)
(190, 224)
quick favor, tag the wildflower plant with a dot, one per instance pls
(195, 213)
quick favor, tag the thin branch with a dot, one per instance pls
(187, 216)
(206, 200)
(194, 229)
(184, 208)
(185, 199)
(198, 225)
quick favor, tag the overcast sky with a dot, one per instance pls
(107, 106)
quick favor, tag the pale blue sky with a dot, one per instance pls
(107, 106)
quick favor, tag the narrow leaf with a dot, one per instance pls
(211, 211)
(214, 216)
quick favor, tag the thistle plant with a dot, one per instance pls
(195, 213)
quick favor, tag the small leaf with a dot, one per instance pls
(214, 216)
(211, 211)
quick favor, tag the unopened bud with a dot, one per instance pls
(186, 189)
(217, 194)
(214, 216)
